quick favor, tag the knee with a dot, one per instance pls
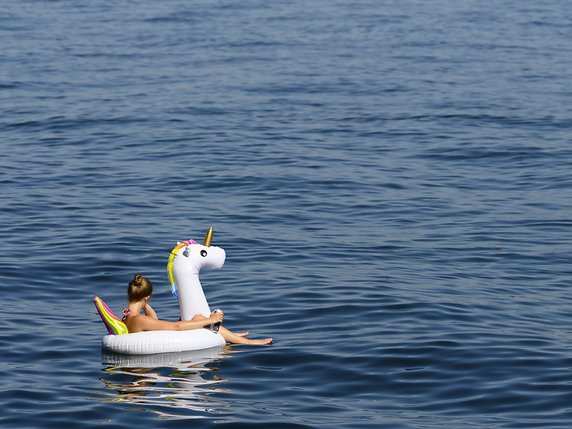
(199, 317)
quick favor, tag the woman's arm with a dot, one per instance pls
(146, 323)
(150, 312)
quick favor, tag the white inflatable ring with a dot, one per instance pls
(154, 342)
(175, 360)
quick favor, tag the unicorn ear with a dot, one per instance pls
(208, 238)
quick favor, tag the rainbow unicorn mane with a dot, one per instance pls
(172, 257)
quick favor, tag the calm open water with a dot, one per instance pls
(391, 180)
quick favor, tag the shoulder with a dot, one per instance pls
(135, 322)
(141, 322)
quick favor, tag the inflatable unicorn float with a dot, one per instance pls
(186, 261)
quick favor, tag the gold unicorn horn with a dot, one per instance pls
(208, 238)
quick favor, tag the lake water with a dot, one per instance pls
(391, 181)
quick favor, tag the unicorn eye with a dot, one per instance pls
(203, 253)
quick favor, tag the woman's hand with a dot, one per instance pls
(216, 317)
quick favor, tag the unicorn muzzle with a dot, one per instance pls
(214, 257)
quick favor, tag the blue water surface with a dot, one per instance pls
(391, 181)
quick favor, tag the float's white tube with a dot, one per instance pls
(154, 342)
(182, 360)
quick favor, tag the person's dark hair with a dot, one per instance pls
(139, 288)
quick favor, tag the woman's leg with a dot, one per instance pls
(201, 317)
(231, 337)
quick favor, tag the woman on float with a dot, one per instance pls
(139, 292)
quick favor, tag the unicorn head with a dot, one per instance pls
(187, 259)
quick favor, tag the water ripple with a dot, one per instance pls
(391, 182)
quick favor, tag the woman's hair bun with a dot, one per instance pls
(136, 280)
(139, 288)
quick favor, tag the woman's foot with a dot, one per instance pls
(263, 342)
(243, 334)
